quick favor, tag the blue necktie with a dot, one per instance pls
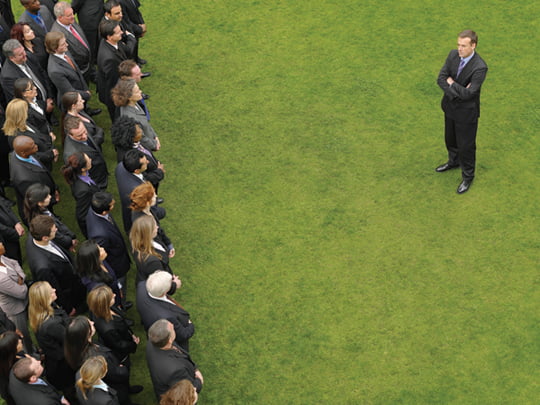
(460, 67)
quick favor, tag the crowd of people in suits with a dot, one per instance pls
(75, 300)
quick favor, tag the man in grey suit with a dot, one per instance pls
(76, 39)
(167, 362)
(461, 79)
(78, 140)
(39, 18)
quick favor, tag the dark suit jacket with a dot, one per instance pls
(167, 367)
(460, 102)
(47, 17)
(96, 132)
(152, 310)
(44, 143)
(24, 174)
(126, 182)
(116, 334)
(81, 53)
(98, 172)
(50, 337)
(59, 272)
(25, 394)
(89, 14)
(10, 73)
(108, 236)
(83, 192)
(8, 234)
(152, 173)
(98, 397)
(108, 59)
(65, 78)
(37, 120)
(132, 15)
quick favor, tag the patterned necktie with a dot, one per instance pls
(76, 35)
(460, 67)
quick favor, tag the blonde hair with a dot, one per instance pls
(140, 237)
(99, 301)
(16, 116)
(92, 371)
(39, 304)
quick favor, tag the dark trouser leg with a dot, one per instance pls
(466, 142)
(450, 140)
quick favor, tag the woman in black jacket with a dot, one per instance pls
(110, 323)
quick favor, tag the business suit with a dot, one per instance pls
(66, 78)
(149, 135)
(48, 20)
(97, 396)
(108, 59)
(25, 394)
(151, 310)
(126, 182)
(50, 337)
(167, 367)
(59, 271)
(153, 174)
(81, 54)
(43, 141)
(116, 334)
(11, 72)
(108, 236)
(98, 172)
(461, 106)
(38, 119)
(8, 235)
(24, 174)
(82, 193)
(89, 14)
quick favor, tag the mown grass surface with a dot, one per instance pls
(323, 259)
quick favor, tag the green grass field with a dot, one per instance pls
(323, 259)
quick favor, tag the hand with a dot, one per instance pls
(74, 243)
(469, 85)
(177, 281)
(50, 105)
(57, 196)
(55, 154)
(158, 144)
(88, 92)
(199, 376)
(64, 401)
(143, 26)
(19, 228)
(161, 167)
(136, 339)
(449, 80)
(53, 136)
(172, 252)
(73, 312)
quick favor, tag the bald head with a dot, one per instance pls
(24, 146)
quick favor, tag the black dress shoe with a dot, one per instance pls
(135, 389)
(444, 167)
(145, 74)
(93, 111)
(464, 187)
(141, 61)
(160, 200)
(145, 96)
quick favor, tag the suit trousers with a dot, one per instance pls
(460, 139)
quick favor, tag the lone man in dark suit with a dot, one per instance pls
(461, 79)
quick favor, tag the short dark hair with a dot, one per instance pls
(41, 226)
(109, 5)
(71, 122)
(106, 28)
(469, 34)
(52, 41)
(22, 369)
(125, 67)
(101, 201)
(132, 160)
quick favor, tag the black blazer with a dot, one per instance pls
(59, 272)
(50, 337)
(82, 193)
(43, 141)
(167, 367)
(24, 174)
(108, 236)
(151, 310)
(10, 73)
(116, 334)
(126, 182)
(37, 120)
(25, 394)
(98, 397)
(8, 234)
(461, 101)
(98, 172)
(108, 59)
